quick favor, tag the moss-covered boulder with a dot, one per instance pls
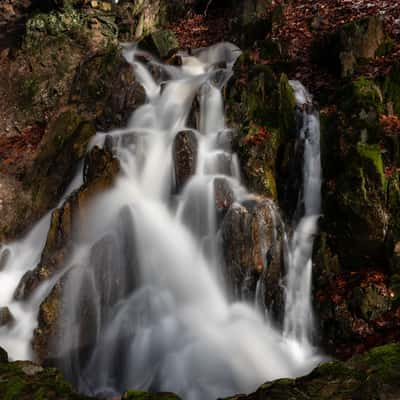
(24, 380)
(261, 107)
(375, 375)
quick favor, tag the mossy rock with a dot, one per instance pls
(373, 164)
(24, 380)
(163, 42)
(55, 24)
(362, 94)
(141, 395)
(287, 106)
(374, 375)
(62, 146)
(356, 210)
(393, 236)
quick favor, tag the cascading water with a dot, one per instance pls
(298, 321)
(144, 300)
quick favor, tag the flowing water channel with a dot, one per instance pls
(145, 302)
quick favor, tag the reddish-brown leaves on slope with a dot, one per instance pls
(15, 147)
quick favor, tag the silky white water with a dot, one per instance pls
(144, 294)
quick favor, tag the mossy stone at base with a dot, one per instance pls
(24, 380)
(141, 395)
(371, 376)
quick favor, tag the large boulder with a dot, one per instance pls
(252, 250)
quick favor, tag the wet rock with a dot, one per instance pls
(4, 256)
(110, 274)
(105, 87)
(6, 318)
(163, 43)
(101, 170)
(224, 197)
(252, 253)
(373, 375)
(49, 322)
(184, 150)
(3, 356)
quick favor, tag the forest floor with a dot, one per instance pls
(302, 21)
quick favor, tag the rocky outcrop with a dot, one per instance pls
(252, 251)
(261, 106)
(66, 78)
(184, 154)
(356, 289)
(375, 375)
(101, 169)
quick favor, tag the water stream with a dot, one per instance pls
(145, 303)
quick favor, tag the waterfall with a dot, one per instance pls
(298, 321)
(145, 304)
